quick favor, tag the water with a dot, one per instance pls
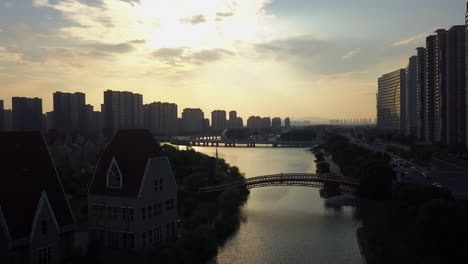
(286, 224)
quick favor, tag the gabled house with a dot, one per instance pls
(132, 199)
(36, 223)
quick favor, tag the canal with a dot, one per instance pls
(286, 224)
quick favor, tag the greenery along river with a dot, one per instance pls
(286, 224)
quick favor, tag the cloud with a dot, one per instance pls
(351, 54)
(7, 5)
(110, 48)
(304, 46)
(183, 55)
(411, 40)
(197, 19)
(6, 56)
(137, 41)
(224, 14)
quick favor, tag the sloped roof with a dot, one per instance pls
(27, 170)
(131, 149)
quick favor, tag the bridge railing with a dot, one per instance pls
(285, 179)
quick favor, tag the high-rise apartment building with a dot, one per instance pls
(466, 72)
(161, 118)
(456, 87)
(2, 116)
(192, 120)
(26, 114)
(287, 122)
(266, 123)
(421, 94)
(218, 120)
(440, 91)
(235, 121)
(69, 112)
(254, 122)
(430, 88)
(390, 115)
(411, 95)
(122, 110)
(276, 124)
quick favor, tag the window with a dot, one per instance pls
(150, 236)
(161, 184)
(156, 185)
(114, 177)
(44, 227)
(159, 208)
(124, 240)
(144, 239)
(150, 211)
(124, 213)
(170, 204)
(143, 213)
(131, 214)
(132, 240)
(168, 235)
(45, 255)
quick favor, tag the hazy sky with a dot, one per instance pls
(298, 58)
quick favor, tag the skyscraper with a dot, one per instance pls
(122, 110)
(26, 114)
(411, 95)
(456, 87)
(421, 94)
(466, 75)
(193, 120)
(2, 116)
(234, 120)
(69, 112)
(430, 88)
(389, 101)
(254, 122)
(287, 122)
(440, 91)
(276, 124)
(218, 120)
(161, 118)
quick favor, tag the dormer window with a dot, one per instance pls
(114, 176)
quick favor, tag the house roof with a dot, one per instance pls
(131, 150)
(27, 170)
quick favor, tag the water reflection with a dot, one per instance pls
(286, 224)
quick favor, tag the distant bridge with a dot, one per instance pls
(286, 179)
(216, 142)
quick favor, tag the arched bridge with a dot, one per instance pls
(344, 184)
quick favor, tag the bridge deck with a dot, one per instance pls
(288, 179)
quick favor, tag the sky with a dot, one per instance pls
(305, 59)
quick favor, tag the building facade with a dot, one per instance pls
(276, 124)
(161, 118)
(254, 122)
(411, 95)
(421, 94)
(430, 88)
(2, 116)
(69, 112)
(26, 114)
(36, 223)
(456, 87)
(132, 200)
(122, 110)
(218, 120)
(235, 121)
(390, 115)
(440, 88)
(193, 120)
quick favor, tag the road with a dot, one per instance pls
(454, 178)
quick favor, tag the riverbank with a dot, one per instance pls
(208, 220)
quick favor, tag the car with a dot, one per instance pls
(438, 185)
(426, 176)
